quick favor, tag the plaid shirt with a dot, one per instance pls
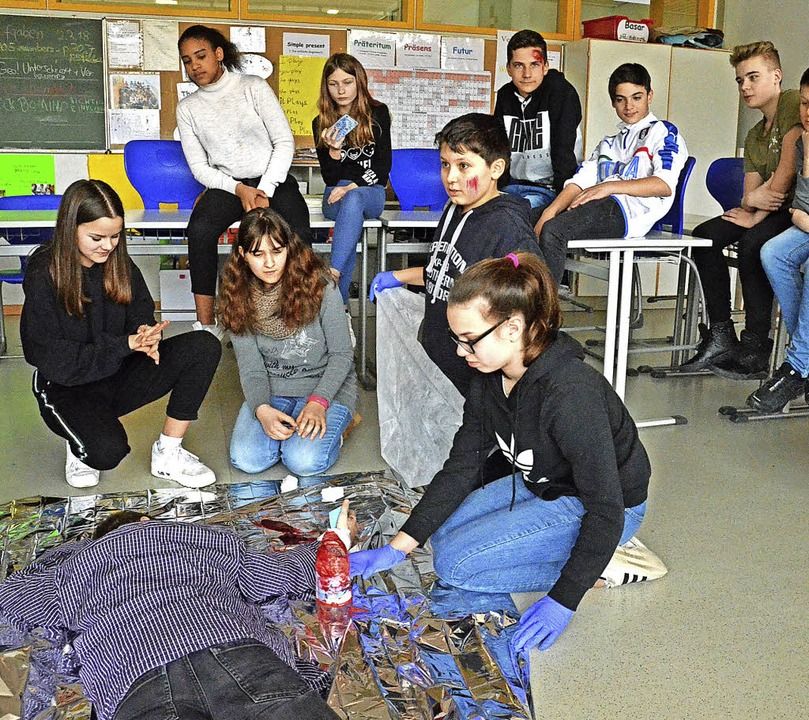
(149, 593)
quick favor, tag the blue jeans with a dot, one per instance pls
(487, 548)
(239, 680)
(253, 451)
(348, 215)
(539, 197)
(782, 258)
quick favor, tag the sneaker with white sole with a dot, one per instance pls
(181, 466)
(214, 329)
(632, 562)
(79, 474)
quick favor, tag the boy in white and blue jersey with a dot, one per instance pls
(629, 181)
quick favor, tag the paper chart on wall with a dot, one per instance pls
(250, 38)
(423, 101)
(124, 44)
(160, 45)
(126, 125)
(298, 88)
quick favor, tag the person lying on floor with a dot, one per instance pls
(167, 622)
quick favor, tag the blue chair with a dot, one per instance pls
(23, 236)
(159, 172)
(673, 220)
(725, 182)
(415, 177)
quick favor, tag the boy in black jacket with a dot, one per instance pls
(479, 222)
(541, 113)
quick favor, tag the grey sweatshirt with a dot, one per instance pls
(801, 199)
(316, 360)
(235, 128)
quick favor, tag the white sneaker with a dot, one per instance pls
(351, 330)
(181, 466)
(632, 562)
(78, 474)
(214, 329)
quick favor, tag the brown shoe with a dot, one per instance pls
(355, 421)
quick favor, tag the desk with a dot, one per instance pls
(178, 220)
(399, 219)
(621, 255)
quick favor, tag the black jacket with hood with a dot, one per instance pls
(567, 431)
(494, 229)
(543, 130)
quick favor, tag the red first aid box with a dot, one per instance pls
(618, 27)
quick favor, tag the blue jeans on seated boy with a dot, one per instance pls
(357, 205)
(484, 551)
(238, 680)
(782, 258)
(538, 195)
(253, 451)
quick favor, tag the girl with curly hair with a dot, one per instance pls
(296, 366)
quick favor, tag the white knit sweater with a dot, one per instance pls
(235, 128)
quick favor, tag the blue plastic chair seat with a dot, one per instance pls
(159, 172)
(725, 182)
(415, 177)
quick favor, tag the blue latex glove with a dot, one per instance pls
(383, 281)
(541, 623)
(370, 562)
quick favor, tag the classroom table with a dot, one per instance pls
(177, 220)
(620, 260)
(404, 219)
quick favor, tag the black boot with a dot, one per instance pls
(749, 361)
(716, 344)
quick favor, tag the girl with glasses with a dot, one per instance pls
(579, 473)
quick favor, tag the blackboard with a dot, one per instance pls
(51, 83)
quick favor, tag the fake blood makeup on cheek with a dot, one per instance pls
(472, 186)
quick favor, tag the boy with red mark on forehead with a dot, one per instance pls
(541, 112)
(629, 181)
(479, 222)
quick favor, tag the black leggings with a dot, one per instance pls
(216, 210)
(713, 268)
(87, 415)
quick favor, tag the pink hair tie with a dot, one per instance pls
(513, 257)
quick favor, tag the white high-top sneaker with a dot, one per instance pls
(181, 466)
(632, 562)
(214, 329)
(77, 473)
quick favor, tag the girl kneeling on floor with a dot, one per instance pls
(88, 328)
(296, 366)
(579, 473)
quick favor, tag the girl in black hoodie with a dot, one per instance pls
(579, 471)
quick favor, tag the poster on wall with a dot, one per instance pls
(298, 90)
(124, 44)
(160, 45)
(373, 49)
(306, 45)
(418, 51)
(126, 125)
(27, 174)
(500, 73)
(134, 91)
(249, 38)
(462, 53)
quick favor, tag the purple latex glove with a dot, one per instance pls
(541, 623)
(383, 281)
(370, 562)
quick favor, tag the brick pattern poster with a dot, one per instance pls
(421, 102)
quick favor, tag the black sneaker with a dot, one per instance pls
(785, 385)
(749, 361)
(716, 344)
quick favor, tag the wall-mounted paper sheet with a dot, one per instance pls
(298, 88)
(160, 45)
(124, 44)
(418, 50)
(306, 45)
(126, 125)
(249, 38)
(373, 49)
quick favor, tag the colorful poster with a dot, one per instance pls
(462, 53)
(306, 45)
(417, 50)
(135, 91)
(27, 174)
(298, 89)
(373, 49)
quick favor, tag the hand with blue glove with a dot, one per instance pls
(370, 562)
(542, 624)
(383, 281)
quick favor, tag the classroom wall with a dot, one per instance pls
(747, 21)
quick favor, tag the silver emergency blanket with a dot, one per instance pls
(396, 661)
(420, 410)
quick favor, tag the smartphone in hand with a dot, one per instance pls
(344, 125)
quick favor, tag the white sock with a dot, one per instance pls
(165, 442)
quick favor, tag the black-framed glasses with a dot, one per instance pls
(469, 345)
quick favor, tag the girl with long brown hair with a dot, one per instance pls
(293, 349)
(355, 165)
(88, 328)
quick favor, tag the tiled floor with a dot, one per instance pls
(724, 635)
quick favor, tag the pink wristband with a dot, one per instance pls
(319, 400)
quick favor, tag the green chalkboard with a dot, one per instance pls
(51, 83)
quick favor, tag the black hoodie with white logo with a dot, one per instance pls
(544, 131)
(568, 433)
(461, 239)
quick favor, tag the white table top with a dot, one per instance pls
(652, 241)
(411, 218)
